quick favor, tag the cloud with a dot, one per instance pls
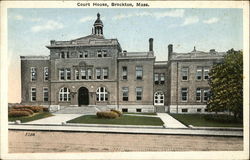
(18, 17)
(211, 20)
(49, 25)
(85, 19)
(35, 19)
(171, 13)
(190, 20)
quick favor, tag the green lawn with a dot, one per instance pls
(35, 116)
(124, 120)
(141, 113)
(199, 121)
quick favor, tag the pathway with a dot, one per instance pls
(170, 122)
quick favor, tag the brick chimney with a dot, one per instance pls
(170, 51)
(151, 44)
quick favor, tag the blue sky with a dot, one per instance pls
(30, 30)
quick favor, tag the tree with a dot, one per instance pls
(226, 83)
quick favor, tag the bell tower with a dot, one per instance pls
(98, 26)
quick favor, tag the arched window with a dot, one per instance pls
(64, 95)
(159, 98)
(101, 94)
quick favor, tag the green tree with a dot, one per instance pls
(226, 83)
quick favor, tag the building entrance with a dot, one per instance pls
(83, 96)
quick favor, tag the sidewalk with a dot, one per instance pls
(170, 122)
(128, 130)
(56, 119)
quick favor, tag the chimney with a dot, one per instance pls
(52, 42)
(170, 50)
(151, 44)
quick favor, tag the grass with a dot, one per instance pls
(141, 113)
(124, 120)
(199, 121)
(35, 116)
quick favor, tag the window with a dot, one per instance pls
(124, 73)
(45, 94)
(125, 93)
(85, 54)
(205, 95)
(68, 73)
(62, 55)
(67, 54)
(198, 110)
(104, 53)
(139, 71)
(99, 54)
(46, 73)
(105, 73)
(61, 74)
(184, 94)
(64, 95)
(80, 55)
(33, 74)
(206, 71)
(156, 75)
(206, 110)
(199, 73)
(162, 78)
(138, 109)
(77, 74)
(198, 95)
(89, 73)
(101, 94)
(124, 110)
(184, 73)
(33, 94)
(98, 73)
(184, 110)
(138, 93)
(159, 98)
(83, 74)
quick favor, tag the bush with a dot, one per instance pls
(33, 108)
(45, 109)
(223, 118)
(117, 111)
(18, 113)
(23, 109)
(107, 114)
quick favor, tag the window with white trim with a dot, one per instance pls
(159, 98)
(98, 73)
(85, 54)
(99, 53)
(198, 94)
(46, 94)
(33, 73)
(46, 73)
(61, 74)
(138, 91)
(184, 73)
(101, 94)
(77, 74)
(206, 71)
(199, 73)
(162, 78)
(62, 55)
(105, 73)
(139, 72)
(124, 73)
(205, 95)
(184, 94)
(89, 73)
(125, 93)
(80, 55)
(68, 73)
(67, 54)
(104, 53)
(83, 74)
(33, 94)
(156, 75)
(64, 95)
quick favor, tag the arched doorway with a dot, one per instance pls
(159, 98)
(83, 96)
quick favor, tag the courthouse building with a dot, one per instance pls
(95, 71)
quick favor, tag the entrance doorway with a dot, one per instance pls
(159, 98)
(83, 96)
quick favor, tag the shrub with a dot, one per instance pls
(18, 113)
(33, 108)
(107, 114)
(222, 118)
(23, 109)
(117, 111)
(45, 109)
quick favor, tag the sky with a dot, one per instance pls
(30, 30)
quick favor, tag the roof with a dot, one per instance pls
(34, 57)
